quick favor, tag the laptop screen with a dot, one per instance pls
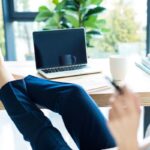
(59, 48)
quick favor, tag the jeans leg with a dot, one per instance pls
(31, 122)
(80, 114)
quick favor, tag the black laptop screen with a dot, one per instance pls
(59, 48)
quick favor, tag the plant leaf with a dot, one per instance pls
(72, 5)
(93, 11)
(53, 22)
(44, 14)
(43, 8)
(93, 32)
(94, 23)
(66, 24)
(72, 18)
(55, 2)
(92, 2)
(91, 22)
(60, 6)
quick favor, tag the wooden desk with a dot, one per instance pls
(136, 79)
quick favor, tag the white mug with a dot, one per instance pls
(118, 67)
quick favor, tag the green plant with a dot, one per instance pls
(122, 25)
(74, 14)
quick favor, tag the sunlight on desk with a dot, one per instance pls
(94, 84)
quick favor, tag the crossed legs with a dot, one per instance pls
(80, 114)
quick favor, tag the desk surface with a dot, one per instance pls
(94, 84)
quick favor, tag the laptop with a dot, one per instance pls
(61, 53)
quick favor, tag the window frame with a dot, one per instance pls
(148, 29)
(10, 15)
(20, 16)
(8, 32)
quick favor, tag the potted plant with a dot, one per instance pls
(74, 14)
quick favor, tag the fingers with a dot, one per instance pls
(124, 116)
(124, 103)
(117, 107)
(131, 100)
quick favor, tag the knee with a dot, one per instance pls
(76, 89)
(77, 97)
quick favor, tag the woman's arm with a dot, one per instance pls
(124, 119)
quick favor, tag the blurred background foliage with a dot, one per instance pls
(123, 27)
(103, 32)
(107, 24)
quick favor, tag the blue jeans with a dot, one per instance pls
(80, 114)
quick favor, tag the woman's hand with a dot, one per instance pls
(124, 119)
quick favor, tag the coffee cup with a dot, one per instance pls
(118, 67)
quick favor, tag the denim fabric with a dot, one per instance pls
(81, 115)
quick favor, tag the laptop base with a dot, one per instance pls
(71, 73)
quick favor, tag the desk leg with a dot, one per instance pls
(146, 118)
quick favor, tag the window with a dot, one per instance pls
(2, 41)
(126, 22)
(19, 25)
(29, 5)
(23, 39)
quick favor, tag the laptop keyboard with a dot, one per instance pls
(66, 68)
